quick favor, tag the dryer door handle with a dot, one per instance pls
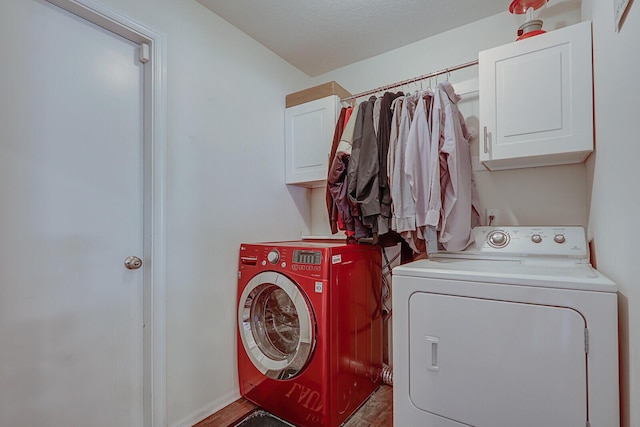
(433, 362)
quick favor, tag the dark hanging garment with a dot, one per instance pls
(384, 133)
(364, 166)
(352, 169)
(332, 209)
(337, 185)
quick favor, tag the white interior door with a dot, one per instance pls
(71, 191)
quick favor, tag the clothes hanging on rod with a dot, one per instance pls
(407, 172)
(460, 211)
(384, 135)
(403, 205)
(332, 208)
(337, 179)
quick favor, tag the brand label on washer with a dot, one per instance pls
(336, 259)
(318, 287)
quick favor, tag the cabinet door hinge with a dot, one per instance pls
(586, 340)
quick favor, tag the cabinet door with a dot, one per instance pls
(536, 103)
(308, 137)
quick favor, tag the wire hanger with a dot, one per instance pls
(399, 84)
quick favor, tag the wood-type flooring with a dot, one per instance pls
(377, 411)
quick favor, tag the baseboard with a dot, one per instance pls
(209, 409)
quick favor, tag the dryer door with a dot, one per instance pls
(276, 325)
(490, 363)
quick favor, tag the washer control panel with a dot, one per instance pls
(522, 241)
(288, 256)
(273, 256)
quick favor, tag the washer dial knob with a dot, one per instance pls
(498, 239)
(273, 256)
(559, 238)
(536, 238)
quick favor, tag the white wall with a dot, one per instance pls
(535, 196)
(615, 199)
(225, 185)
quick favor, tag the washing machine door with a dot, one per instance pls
(276, 325)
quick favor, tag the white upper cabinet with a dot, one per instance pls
(536, 102)
(308, 137)
(309, 128)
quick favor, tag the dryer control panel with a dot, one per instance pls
(544, 241)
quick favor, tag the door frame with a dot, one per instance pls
(154, 233)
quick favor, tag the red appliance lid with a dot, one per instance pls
(531, 34)
(520, 7)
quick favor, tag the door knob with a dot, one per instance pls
(133, 262)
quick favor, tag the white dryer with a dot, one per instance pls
(516, 331)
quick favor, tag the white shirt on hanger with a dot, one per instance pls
(460, 211)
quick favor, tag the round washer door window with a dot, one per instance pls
(276, 325)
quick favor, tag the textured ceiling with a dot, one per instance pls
(317, 36)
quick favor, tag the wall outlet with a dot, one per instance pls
(491, 216)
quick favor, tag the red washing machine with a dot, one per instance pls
(309, 328)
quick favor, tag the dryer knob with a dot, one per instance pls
(559, 238)
(498, 239)
(273, 256)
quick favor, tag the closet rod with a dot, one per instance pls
(415, 79)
